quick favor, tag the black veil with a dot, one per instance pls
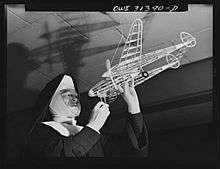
(44, 99)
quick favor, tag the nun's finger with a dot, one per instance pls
(126, 88)
(120, 89)
(98, 105)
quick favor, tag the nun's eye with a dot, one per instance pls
(72, 96)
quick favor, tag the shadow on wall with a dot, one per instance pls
(21, 100)
(19, 97)
(64, 45)
(18, 67)
(65, 48)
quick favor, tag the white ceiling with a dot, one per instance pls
(159, 30)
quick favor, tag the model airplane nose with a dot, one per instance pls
(91, 93)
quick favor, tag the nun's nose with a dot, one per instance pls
(75, 99)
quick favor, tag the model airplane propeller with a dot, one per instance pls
(132, 61)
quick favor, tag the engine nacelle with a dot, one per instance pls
(172, 59)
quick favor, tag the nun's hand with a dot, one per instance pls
(130, 96)
(98, 116)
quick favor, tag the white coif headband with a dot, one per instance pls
(57, 105)
(66, 83)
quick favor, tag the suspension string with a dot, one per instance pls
(83, 81)
(63, 19)
(120, 32)
(17, 16)
(203, 30)
(198, 32)
(116, 50)
(195, 32)
(188, 60)
(104, 99)
(141, 32)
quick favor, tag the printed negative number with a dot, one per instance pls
(174, 8)
(157, 8)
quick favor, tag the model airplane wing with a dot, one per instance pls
(132, 61)
(132, 51)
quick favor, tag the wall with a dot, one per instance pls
(44, 44)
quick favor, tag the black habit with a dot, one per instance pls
(44, 141)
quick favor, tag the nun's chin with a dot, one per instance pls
(75, 111)
(77, 114)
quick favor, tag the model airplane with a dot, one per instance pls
(132, 61)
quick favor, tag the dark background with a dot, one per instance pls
(177, 104)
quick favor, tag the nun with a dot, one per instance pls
(56, 132)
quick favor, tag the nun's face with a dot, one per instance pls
(71, 99)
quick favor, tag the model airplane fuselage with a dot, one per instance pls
(132, 62)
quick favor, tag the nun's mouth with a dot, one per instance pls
(75, 110)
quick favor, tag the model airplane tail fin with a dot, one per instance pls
(133, 45)
(188, 39)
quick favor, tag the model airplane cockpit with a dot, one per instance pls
(132, 61)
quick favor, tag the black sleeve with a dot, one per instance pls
(46, 142)
(133, 141)
(137, 131)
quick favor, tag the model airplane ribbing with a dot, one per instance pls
(132, 61)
